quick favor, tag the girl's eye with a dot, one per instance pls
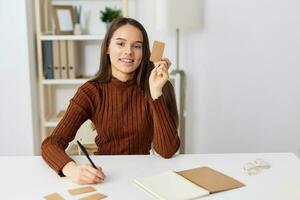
(120, 44)
(137, 46)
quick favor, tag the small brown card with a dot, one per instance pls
(157, 51)
(81, 190)
(96, 196)
(54, 196)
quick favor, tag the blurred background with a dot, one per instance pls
(235, 69)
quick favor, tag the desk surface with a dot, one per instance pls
(30, 177)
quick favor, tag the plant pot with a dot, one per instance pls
(107, 25)
(77, 29)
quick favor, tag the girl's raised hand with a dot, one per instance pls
(158, 77)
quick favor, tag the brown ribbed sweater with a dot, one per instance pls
(125, 120)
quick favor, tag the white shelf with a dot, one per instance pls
(64, 81)
(72, 37)
(52, 122)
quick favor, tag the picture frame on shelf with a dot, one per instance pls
(64, 19)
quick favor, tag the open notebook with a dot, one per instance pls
(188, 184)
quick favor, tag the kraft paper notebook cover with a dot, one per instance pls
(210, 179)
(188, 184)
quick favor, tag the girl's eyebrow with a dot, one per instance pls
(120, 39)
(126, 40)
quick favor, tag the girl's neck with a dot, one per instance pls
(122, 77)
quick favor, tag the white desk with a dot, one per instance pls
(30, 177)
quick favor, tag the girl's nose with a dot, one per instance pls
(128, 50)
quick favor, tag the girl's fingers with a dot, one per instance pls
(96, 172)
(84, 179)
(157, 64)
(89, 174)
(154, 71)
(92, 177)
(101, 171)
(88, 178)
(167, 60)
(162, 69)
(161, 65)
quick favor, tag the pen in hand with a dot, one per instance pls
(88, 157)
(86, 154)
(83, 174)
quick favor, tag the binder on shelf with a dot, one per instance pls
(48, 59)
(56, 59)
(63, 59)
(73, 59)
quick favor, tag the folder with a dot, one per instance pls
(48, 59)
(63, 59)
(73, 59)
(56, 59)
(188, 184)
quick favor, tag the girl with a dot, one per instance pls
(130, 102)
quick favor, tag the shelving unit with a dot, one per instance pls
(48, 103)
(64, 81)
(71, 37)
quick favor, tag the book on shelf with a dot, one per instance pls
(187, 184)
(47, 59)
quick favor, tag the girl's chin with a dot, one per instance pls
(128, 67)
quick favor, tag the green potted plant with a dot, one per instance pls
(109, 14)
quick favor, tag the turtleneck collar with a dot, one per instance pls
(122, 84)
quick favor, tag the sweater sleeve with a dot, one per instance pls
(165, 137)
(81, 108)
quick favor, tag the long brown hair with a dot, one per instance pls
(142, 73)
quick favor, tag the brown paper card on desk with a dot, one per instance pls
(210, 179)
(54, 196)
(96, 196)
(81, 190)
(157, 51)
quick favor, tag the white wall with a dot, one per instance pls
(16, 87)
(243, 72)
